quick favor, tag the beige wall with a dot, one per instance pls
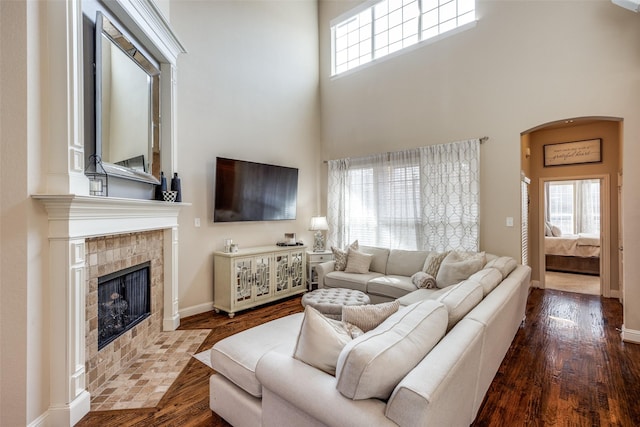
(609, 132)
(247, 89)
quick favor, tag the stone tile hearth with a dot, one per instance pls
(143, 383)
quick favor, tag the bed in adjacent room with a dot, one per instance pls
(573, 253)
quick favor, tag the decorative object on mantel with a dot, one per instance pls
(169, 196)
(162, 187)
(573, 153)
(176, 186)
(98, 178)
(318, 224)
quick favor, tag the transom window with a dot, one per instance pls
(388, 26)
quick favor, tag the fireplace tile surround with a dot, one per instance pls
(106, 255)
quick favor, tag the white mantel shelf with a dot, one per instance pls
(73, 216)
(73, 219)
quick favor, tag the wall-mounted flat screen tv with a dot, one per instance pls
(248, 191)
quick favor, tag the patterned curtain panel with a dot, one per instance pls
(425, 198)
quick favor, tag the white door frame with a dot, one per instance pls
(605, 229)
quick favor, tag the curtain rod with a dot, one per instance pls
(482, 141)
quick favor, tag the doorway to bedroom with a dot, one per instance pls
(544, 168)
(572, 229)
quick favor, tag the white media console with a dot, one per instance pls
(254, 276)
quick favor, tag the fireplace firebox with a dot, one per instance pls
(124, 300)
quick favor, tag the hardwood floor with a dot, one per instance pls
(566, 367)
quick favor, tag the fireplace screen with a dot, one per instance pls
(124, 300)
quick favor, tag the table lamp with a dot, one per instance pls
(318, 224)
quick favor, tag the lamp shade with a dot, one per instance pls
(318, 223)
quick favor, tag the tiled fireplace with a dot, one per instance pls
(88, 238)
(107, 256)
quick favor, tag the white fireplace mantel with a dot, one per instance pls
(73, 219)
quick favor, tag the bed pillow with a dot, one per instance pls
(340, 255)
(547, 229)
(555, 231)
(458, 266)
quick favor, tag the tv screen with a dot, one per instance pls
(248, 191)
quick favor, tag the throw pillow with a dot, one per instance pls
(423, 280)
(368, 317)
(547, 229)
(372, 365)
(321, 340)
(340, 256)
(555, 231)
(458, 266)
(358, 262)
(433, 261)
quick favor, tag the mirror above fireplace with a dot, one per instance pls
(127, 112)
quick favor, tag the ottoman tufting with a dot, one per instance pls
(329, 301)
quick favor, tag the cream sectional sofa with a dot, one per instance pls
(388, 278)
(259, 382)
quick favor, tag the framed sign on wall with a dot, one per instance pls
(573, 153)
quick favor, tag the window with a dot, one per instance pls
(423, 198)
(388, 26)
(574, 206)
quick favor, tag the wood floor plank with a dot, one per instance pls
(566, 367)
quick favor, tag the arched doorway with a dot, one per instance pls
(607, 167)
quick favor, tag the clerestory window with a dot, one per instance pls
(379, 28)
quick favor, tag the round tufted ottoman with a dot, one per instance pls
(329, 301)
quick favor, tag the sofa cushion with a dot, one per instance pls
(340, 256)
(433, 261)
(236, 357)
(458, 266)
(460, 299)
(321, 340)
(380, 257)
(423, 280)
(358, 262)
(405, 263)
(420, 295)
(372, 365)
(340, 279)
(504, 264)
(368, 317)
(390, 286)
(489, 278)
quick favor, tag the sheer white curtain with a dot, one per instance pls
(588, 201)
(424, 198)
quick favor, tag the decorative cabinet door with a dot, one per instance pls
(289, 271)
(282, 273)
(297, 270)
(243, 281)
(262, 276)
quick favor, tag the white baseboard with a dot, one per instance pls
(615, 294)
(196, 309)
(630, 335)
(41, 421)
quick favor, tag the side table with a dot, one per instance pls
(313, 259)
